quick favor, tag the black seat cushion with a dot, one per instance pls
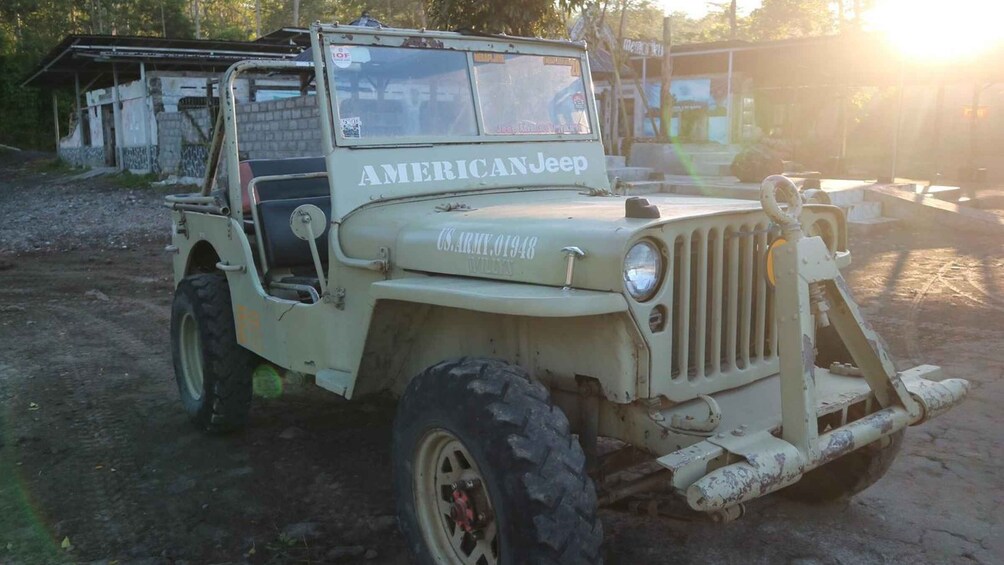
(291, 188)
(282, 247)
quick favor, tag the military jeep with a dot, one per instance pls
(555, 347)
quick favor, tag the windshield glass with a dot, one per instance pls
(397, 92)
(531, 94)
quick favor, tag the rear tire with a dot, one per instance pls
(485, 423)
(843, 478)
(212, 370)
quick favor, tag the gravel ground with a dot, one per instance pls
(98, 463)
(46, 210)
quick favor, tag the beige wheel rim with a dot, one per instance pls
(454, 510)
(191, 356)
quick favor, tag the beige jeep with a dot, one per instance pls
(457, 243)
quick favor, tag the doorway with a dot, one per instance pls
(108, 128)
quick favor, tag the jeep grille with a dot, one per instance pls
(722, 309)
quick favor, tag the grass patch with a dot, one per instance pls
(23, 535)
(125, 179)
(56, 165)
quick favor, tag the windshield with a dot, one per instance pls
(396, 92)
(531, 94)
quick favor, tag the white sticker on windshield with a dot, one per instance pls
(342, 56)
(352, 127)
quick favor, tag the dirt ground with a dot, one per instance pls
(99, 464)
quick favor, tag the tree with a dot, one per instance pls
(543, 18)
(781, 19)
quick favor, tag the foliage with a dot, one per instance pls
(515, 17)
(31, 28)
(779, 19)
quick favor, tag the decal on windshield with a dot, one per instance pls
(463, 169)
(352, 127)
(342, 56)
(575, 68)
(481, 57)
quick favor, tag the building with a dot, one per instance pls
(845, 105)
(137, 97)
(849, 104)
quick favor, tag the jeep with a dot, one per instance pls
(554, 346)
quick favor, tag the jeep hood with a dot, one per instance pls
(517, 236)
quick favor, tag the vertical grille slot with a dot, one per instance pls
(717, 298)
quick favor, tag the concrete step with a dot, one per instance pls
(628, 174)
(865, 210)
(870, 226)
(615, 161)
(845, 198)
(682, 160)
(941, 192)
(640, 187)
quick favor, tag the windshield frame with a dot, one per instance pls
(412, 39)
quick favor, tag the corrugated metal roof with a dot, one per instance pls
(91, 58)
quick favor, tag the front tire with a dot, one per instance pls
(213, 371)
(486, 470)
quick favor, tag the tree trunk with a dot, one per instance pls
(296, 13)
(732, 20)
(257, 18)
(665, 98)
(198, 20)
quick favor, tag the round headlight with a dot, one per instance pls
(642, 270)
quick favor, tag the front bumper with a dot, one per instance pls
(746, 462)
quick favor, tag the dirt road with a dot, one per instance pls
(96, 454)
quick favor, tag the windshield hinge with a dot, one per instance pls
(597, 192)
(453, 207)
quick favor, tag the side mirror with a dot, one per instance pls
(307, 223)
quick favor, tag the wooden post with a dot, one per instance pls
(897, 127)
(147, 133)
(55, 119)
(665, 98)
(77, 106)
(728, 102)
(117, 117)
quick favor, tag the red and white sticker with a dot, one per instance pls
(342, 56)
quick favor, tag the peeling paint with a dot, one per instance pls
(808, 358)
(841, 442)
(422, 43)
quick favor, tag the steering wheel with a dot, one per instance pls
(769, 189)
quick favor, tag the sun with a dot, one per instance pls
(937, 30)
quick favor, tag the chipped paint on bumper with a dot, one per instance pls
(771, 465)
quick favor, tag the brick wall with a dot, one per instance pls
(279, 128)
(275, 129)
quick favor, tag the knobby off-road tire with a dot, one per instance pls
(540, 503)
(844, 477)
(213, 371)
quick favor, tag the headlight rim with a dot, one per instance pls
(660, 270)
